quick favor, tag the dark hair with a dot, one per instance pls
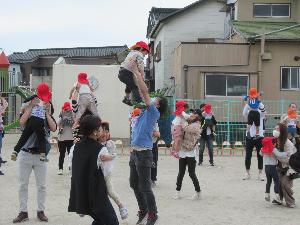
(105, 126)
(202, 105)
(137, 48)
(86, 113)
(292, 103)
(283, 136)
(89, 124)
(163, 105)
(297, 143)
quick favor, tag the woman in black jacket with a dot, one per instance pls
(88, 195)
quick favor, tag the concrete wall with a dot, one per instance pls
(283, 54)
(202, 21)
(298, 10)
(245, 10)
(109, 93)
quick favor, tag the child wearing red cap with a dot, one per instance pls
(270, 162)
(208, 114)
(252, 100)
(291, 121)
(126, 75)
(177, 126)
(36, 121)
(83, 98)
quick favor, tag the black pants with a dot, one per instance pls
(126, 77)
(190, 162)
(154, 164)
(63, 146)
(271, 173)
(250, 144)
(140, 179)
(34, 125)
(108, 217)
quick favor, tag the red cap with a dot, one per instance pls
(82, 78)
(207, 108)
(43, 92)
(136, 112)
(253, 93)
(268, 145)
(66, 106)
(4, 63)
(180, 107)
(142, 44)
(292, 114)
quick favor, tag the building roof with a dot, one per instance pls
(284, 31)
(169, 13)
(80, 52)
(4, 63)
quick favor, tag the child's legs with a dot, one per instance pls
(268, 171)
(110, 190)
(275, 179)
(38, 125)
(126, 77)
(27, 132)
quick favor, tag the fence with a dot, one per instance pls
(231, 123)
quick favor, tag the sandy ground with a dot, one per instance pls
(225, 198)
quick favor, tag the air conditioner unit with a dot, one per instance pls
(266, 56)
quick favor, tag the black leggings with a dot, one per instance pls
(191, 163)
(126, 77)
(34, 125)
(155, 159)
(271, 173)
(63, 146)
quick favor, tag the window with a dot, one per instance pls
(41, 72)
(271, 10)
(226, 85)
(290, 77)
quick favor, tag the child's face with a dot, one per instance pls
(145, 52)
(103, 135)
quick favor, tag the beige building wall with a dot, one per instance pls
(245, 10)
(283, 54)
(109, 93)
(298, 10)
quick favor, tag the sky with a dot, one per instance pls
(34, 24)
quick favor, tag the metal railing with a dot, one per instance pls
(231, 125)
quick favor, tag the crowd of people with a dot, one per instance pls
(87, 140)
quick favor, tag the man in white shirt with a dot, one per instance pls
(253, 141)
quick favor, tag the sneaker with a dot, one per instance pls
(42, 217)
(142, 217)
(153, 184)
(60, 172)
(277, 200)
(2, 161)
(23, 216)
(267, 197)
(247, 176)
(1, 173)
(14, 156)
(177, 195)
(261, 177)
(127, 101)
(212, 164)
(195, 196)
(152, 219)
(123, 212)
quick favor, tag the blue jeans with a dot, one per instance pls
(209, 143)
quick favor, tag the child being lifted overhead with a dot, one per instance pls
(126, 76)
(85, 100)
(36, 121)
(254, 104)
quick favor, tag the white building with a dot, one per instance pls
(168, 27)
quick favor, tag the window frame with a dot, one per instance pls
(289, 89)
(225, 74)
(271, 4)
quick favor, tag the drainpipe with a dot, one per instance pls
(185, 69)
(262, 51)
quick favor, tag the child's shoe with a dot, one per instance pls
(267, 197)
(14, 156)
(42, 157)
(127, 101)
(123, 212)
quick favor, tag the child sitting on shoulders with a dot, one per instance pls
(208, 114)
(291, 121)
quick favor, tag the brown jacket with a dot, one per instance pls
(190, 136)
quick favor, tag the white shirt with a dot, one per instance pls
(84, 89)
(185, 154)
(253, 127)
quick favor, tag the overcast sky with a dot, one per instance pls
(75, 23)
